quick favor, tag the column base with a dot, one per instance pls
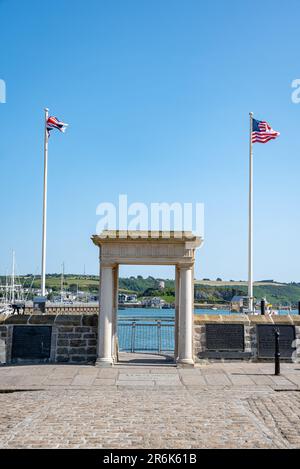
(104, 362)
(185, 362)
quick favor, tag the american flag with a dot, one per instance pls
(262, 132)
(54, 123)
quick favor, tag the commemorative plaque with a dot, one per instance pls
(225, 337)
(266, 340)
(31, 342)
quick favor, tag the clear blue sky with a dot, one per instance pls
(157, 95)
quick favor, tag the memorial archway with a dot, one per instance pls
(146, 248)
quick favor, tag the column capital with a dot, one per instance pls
(185, 265)
(107, 265)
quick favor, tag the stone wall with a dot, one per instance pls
(73, 337)
(249, 323)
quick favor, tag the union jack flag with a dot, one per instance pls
(262, 132)
(54, 123)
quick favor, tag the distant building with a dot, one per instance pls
(132, 298)
(123, 298)
(161, 284)
(238, 303)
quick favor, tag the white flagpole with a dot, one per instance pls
(250, 240)
(43, 286)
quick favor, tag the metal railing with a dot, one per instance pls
(153, 336)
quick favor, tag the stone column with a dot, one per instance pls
(105, 330)
(176, 332)
(115, 312)
(185, 345)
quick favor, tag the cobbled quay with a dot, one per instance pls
(220, 405)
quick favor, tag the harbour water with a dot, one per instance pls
(157, 313)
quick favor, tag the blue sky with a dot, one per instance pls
(157, 95)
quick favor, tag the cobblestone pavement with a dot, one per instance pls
(211, 406)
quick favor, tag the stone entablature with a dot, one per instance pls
(147, 247)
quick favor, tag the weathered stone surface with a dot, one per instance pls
(91, 335)
(92, 342)
(69, 335)
(62, 351)
(64, 329)
(76, 351)
(90, 320)
(83, 329)
(62, 342)
(68, 320)
(77, 343)
(78, 358)
(16, 319)
(62, 358)
(212, 406)
(46, 319)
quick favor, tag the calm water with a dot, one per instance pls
(170, 313)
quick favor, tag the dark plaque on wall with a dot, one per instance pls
(266, 340)
(225, 337)
(31, 342)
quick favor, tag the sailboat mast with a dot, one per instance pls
(62, 282)
(13, 278)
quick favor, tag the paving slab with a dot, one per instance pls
(211, 406)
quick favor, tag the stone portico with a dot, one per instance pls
(146, 248)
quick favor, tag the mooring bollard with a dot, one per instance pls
(277, 351)
(299, 308)
(263, 307)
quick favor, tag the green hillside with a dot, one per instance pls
(205, 291)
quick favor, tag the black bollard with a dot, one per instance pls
(299, 308)
(277, 351)
(263, 307)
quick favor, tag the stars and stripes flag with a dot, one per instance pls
(55, 123)
(262, 132)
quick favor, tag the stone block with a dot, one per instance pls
(78, 358)
(77, 351)
(62, 359)
(91, 358)
(77, 343)
(68, 319)
(42, 319)
(68, 335)
(62, 351)
(92, 342)
(66, 329)
(82, 329)
(62, 343)
(90, 320)
(17, 319)
(286, 319)
(91, 351)
(91, 335)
